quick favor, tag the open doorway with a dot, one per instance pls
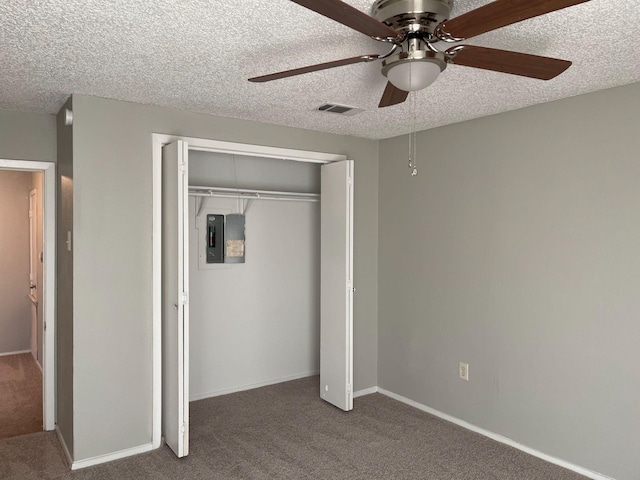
(27, 214)
(20, 279)
(172, 294)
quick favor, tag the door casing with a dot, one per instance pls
(197, 144)
(47, 296)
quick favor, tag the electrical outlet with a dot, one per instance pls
(463, 371)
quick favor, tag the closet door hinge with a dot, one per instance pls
(184, 298)
(182, 167)
(350, 181)
(183, 428)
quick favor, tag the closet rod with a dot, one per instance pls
(254, 196)
(250, 190)
(251, 194)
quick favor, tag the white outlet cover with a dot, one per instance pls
(463, 371)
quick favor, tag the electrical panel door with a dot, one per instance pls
(234, 239)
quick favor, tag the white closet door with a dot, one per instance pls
(175, 306)
(336, 302)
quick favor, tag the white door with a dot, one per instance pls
(175, 306)
(336, 284)
(33, 270)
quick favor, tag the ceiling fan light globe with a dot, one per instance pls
(414, 75)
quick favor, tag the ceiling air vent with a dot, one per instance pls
(341, 109)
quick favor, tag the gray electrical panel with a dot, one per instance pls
(234, 239)
(215, 239)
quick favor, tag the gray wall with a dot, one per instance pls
(64, 283)
(237, 171)
(27, 136)
(15, 306)
(112, 220)
(516, 250)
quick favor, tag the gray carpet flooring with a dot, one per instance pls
(20, 395)
(286, 432)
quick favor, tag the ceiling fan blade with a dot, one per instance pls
(523, 64)
(349, 16)
(314, 68)
(498, 14)
(392, 96)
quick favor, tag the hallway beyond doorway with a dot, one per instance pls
(20, 395)
(46, 289)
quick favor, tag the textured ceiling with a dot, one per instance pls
(197, 55)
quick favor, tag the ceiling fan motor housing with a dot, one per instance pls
(416, 20)
(412, 16)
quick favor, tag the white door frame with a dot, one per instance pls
(48, 295)
(206, 145)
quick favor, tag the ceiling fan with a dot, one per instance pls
(414, 28)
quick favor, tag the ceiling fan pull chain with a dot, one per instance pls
(410, 151)
(410, 139)
(414, 171)
(413, 167)
(412, 135)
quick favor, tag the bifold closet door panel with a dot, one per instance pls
(175, 307)
(336, 290)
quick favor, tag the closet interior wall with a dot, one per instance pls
(254, 323)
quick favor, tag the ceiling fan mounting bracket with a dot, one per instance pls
(442, 34)
(453, 51)
(393, 50)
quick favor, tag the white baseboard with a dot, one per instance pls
(496, 437)
(366, 391)
(226, 391)
(14, 353)
(65, 449)
(39, 366)
(89, 462)
(109, 457)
